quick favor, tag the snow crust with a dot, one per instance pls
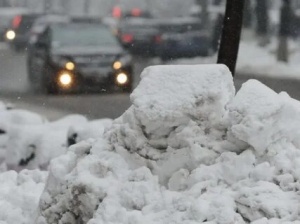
(188, 150)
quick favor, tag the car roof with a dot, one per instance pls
(54, 18)
(86, 24)
(85, 19)
(9, 11)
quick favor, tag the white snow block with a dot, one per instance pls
(173, 94)
(261, 117)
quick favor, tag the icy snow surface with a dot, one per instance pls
(187, 151)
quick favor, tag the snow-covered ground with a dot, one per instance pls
(257, 61)
(189, 150)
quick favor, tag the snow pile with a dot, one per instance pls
(29, 141)
(13, 117)
(187, 151)
(90, 130)
(19, 196)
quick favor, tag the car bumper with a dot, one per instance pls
(93, 80)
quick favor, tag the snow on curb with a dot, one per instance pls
(187, 151)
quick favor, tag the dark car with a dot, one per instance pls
(20, 31)
(6, 16)
(80, 56)
(183, 37)
(139, 35)
(37, 29)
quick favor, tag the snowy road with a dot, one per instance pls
(15, 88)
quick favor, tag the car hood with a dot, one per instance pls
(88, 51)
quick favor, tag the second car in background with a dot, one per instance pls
(78, 56)
(183, 38)
(19, 32)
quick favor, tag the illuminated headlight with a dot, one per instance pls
(122, 62)
(122, 78)
(65, 78)
(117, 65)
(10, 35)
(70, 65)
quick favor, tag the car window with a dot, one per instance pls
(4, 21)
(82, 35)
(26, 23)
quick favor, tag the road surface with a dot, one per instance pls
(15, 88)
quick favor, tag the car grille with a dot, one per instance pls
(102, 60)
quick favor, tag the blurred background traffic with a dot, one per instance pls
(86, 56)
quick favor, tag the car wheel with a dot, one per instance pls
(48, 85)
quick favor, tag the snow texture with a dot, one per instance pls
(29, 141)
(188, 150)
(20, 195)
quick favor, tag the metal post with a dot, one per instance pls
(231, 34)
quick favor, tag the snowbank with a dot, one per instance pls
(19, 196)
(256, 61)
(14, 117)
(29, 141)
(188, 150)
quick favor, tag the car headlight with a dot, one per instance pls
(122, 61)
(70, 65)
(10, 35)
(117, 65)
(122, 78)
(65, 79)
(64, 62)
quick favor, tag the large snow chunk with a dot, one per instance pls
(172, 94)
(262, 117)
(187, 151)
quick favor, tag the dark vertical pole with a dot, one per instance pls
(231, 33)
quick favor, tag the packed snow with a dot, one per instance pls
(188, 150)
(20, 195)
(29, 141)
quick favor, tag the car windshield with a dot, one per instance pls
(26, 23)
(82, 35)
